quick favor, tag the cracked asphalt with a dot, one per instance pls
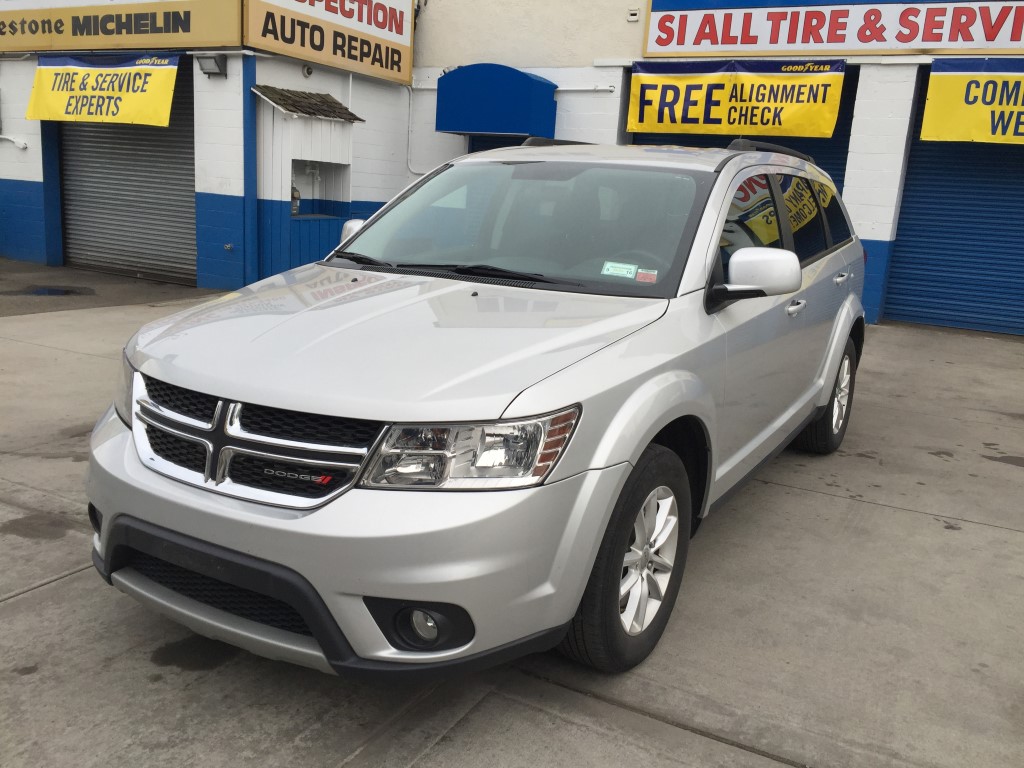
(859, 610)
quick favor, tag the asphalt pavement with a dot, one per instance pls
(858, 610)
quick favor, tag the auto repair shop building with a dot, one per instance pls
(915, 109)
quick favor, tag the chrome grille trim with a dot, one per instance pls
(223, 439)
(234, 428)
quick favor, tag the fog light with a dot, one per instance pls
(424, 626)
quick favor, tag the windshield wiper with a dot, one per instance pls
(488, 270)
(359, 258)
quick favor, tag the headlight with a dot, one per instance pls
(123, 398)
(503, 454)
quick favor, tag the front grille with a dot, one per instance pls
(238, 601)
(177, 450)
(308, 427)
(270, 455)
(195, 405)
(286, 477)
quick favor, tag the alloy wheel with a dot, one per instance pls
(841, 400)
(649, 559)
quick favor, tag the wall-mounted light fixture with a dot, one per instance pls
(211, 64)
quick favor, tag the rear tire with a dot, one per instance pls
(825, 434)
(639, 567)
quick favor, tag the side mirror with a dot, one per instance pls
(350, 228)
(756, 272)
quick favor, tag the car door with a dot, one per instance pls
(764, 368)
(825, 275)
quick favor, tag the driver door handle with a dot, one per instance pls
(842, 277)
(795, 308)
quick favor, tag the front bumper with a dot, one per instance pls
(516, 561)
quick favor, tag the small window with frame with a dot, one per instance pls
(828, 201)
(805, 219)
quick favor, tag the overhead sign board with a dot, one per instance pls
(67, 25)
(975, 100)
(365, 36)
(108, 89)
(756, 27)
(749, 98)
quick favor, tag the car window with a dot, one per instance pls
(752, 220)
(604, 228)
(828, 201)
(805, 219)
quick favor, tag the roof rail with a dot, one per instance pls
(541, 141)
(746, 145)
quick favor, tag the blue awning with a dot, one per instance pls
(491, 98)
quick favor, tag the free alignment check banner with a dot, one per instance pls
(751, 98)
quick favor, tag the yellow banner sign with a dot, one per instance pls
(365, 36)
(975, 100)
(66, 25)
(751, 98)
(133, 90)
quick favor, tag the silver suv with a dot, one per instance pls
(490, 422)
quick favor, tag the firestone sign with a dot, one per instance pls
(749, 27)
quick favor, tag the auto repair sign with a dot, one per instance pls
(365, 36)
(751, 98)
(750, 27)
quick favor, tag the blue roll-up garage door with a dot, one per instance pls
(958, 258)
(829, 153)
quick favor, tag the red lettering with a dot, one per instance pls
(775, 19)
(908, 26)
(664, 27)
(681, 35)
(990, 27)
(1018, 24)
(837, 26)
(961, 23)
(746, 36)
(794, 26)
(331, 6)
(728, 38)
(707, 31)
(814, 22)
(933, 19)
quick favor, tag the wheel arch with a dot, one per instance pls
(688, 437)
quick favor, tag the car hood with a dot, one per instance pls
(382, 346)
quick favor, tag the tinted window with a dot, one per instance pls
(805, 219)
(838, 226)
(601, 228)
(752, 219)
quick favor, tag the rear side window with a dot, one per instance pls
(828, 201)
(805, 219)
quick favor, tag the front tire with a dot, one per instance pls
(639, 567)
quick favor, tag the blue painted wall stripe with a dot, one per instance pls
(53, 222)
(250, 152)
(22, 227)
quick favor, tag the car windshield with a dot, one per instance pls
(574, 226)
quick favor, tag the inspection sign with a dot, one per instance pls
(107, 89)
(975, 100)
(370, 37)
(750, 98)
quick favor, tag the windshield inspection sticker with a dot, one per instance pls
(618, 269)
(647, 275)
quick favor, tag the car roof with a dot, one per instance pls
(667, 156)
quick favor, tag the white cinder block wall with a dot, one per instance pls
(879, 137)
(16, 79)
(220, 154)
